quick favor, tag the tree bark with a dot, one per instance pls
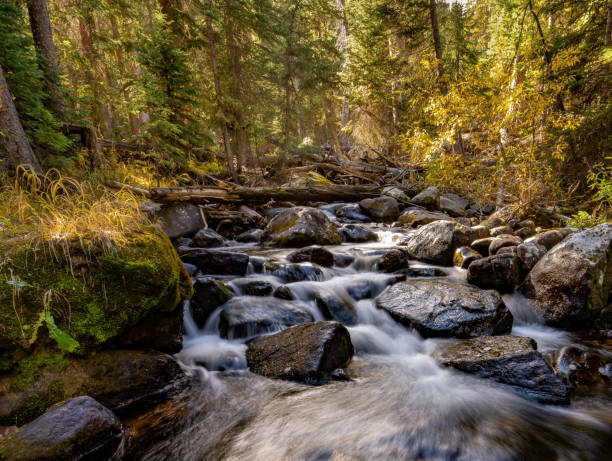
(608, 25)
(13, 139)
(219, 96)
(43, 41)
(345, 114)
(435, 29)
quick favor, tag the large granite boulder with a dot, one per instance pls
(428, 198)
(79, 428)
(249, 316)
(179, 220)
(380, 208)
(217, 262)
(529, 253)
(570, 285)
(549, 238)
(510, 360)
(436, 242)
(500, 272)
(299, 227)
(443, 308)
(307, 353)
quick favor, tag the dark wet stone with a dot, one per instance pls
(416, 217)
(208, 294)
(464, 256)
(206, 238)
(444, 308)
(283, 292)
(383, 209)
(314, 254)
(584, 366)
(216, 262)
(435, 243)
(334, 308)
(453, 204)
(549, 238)
(529, 253)
(482, 245)
(510, 360)
(257, 263)
(357, 234)
(422, 272)
(501, 230)
(179, 220)
(191, 269)
(343, 260)
(251, 236)
(307, 353)
(249, 316)
(391, 261)
(502, 241)
(499, 272)
(289, 273)
(251, 287)
(524, 232)
(79, 428)
(299, 227)
(428, 198)
(352, 212)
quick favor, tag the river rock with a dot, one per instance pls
(510, 360)
(482, 245)
(362, 288)
(251, 287)
(443, 308)
(299, 227)
(422, 272)
(380, 208)
(416, 217)
(503, 240)
(307, 353)
(343, 260)
(313, 254)
(499, 272)
(335, 308)
(464, 256)
(396, 193)
(79, 428)
(191, 269)
(549, 238)
(251, 236)
(570, 285)
(248, 316)
(391, 261)
(428, 198)
(436, 242)
(529, 253)
(351, 212)
(357, 234)
(208, 294)
(501, 230)
(178, 220)
(524, 232)
(583, 365)
(453, 204)
(217, 262)
(206, 238)
(289, 273)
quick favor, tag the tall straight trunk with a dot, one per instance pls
(608, 25)
(242, 139)
(393, 89)
(13, 139)
(86, 28)
(299, 117)
(435, 29)
(345, 114)
(43, 41)
(219, 96)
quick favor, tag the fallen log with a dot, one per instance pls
(263, 194)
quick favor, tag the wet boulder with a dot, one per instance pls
(351, 212)
(416, 217)
(380, 208)
(251, 287)
(366, 288)
(499, 272)
(570, 285)
(357, 234)
(428, 198)
(584, 366)
(208, 294)
(313, 254)
(436, 242)
(442, 308)
(179, 220)
(464, 256)
(510, 360)
(299, 227)
(524, 232)
(217, 262)
(343, 260)
(391, 261)
(249, 316)
(191, 269)
(501, 230)
(482, 245)
(334, 307)
(206, 238)
(289, 273)
(503, 240)
(79, 428)
(251, 236)
(396, 193)
(549, 238)
(529, 253)
(453, 204)
(307, 353)
(422, 272)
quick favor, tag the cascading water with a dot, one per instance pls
(399, 403)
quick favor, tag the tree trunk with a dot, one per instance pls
(86, 28)
(13, 139)
(219, 96)
(345, 114)
(43, 41)
(435, 29)
(608, 25)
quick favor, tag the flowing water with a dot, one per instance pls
(398, 405)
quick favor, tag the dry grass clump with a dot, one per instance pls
(65, 213)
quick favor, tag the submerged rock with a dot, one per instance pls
(380, 208)
(335, 308)
(79, 428)
(435, 243)
(299, 227)
(249, 316)
(206, 238)
(307, 353)
(215, 262)
(571, 284)
(510, 360)
(443, 308)
(428, 198)
(207, 296)
(357, 234)
(313, 254)
(500, 272)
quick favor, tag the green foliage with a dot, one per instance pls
(600, 181)
(583, 220)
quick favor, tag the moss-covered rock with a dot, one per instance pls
(88, 300)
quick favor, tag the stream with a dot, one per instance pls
(397, 402)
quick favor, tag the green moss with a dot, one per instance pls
(29, 369)
(38, 404)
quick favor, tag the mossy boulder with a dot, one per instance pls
(63, 298)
